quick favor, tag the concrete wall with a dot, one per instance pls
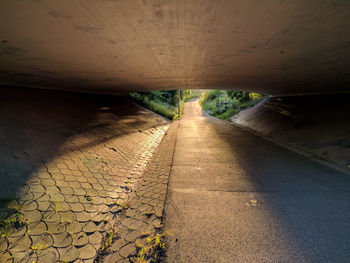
(317, 125)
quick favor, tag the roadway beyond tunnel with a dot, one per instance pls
(234, 197)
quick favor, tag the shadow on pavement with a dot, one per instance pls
(306, 203)
(235, 197)
(36, 124)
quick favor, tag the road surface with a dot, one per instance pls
(234, 197)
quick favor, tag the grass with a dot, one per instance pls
(164, 103)
(123, 205)
(163, 108)
(225, 104)
(196, 93)
(102, 252)
(153, 248)
(111, 236)
(10, 217)
(38, 247)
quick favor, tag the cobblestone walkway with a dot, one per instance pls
(143, 218)
(72, 200)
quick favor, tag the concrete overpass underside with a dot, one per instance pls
(273, 47)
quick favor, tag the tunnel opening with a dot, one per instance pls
(222, 104)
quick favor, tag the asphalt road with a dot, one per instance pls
(234, 197)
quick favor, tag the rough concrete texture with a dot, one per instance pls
(317, 125)
(70, 161)
(143, 218)
(235, 197)
(270, 46)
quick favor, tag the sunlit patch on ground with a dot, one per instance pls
(75, 168)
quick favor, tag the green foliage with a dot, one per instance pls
(123, 205)
(241, 96)
(38, 247)
(164, 103)
(225, 104)
(186, 94)
(153, 102)
(196, 94)
(210, 95)
(111, 236)
(150, 252)
(10, 218)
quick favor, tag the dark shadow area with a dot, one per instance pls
(307, 201)
(319, 124)
(235, 197)
(35, 124)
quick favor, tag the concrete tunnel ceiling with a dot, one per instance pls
(270, 46)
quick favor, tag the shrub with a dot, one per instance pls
(164, 103)
(235, 102)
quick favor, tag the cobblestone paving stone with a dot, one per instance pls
(70, 202)
(143, 217)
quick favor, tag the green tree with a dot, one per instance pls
(241, 96)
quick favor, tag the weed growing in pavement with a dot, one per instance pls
(145, 234)
(153, 248)
(111, 236)
(10, 218)
(123, 205)
(38, 247)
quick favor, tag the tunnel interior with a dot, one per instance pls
(271, 47)
(89, 174)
